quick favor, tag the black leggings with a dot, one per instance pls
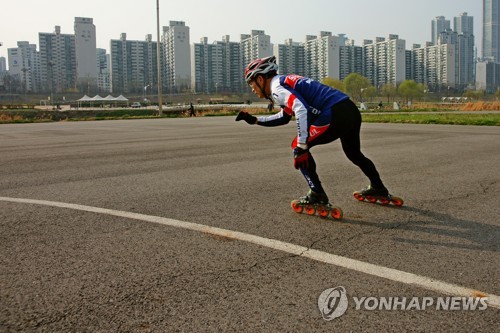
(345, 125)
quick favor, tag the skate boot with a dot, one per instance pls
(313, 203)
(373, 194)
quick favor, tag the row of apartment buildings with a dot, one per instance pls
(72, 61)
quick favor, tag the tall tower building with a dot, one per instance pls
(462, 40)
(491, 30)
(438, 25)
(177, 55)
(57, 61)
(463, 24)
(85, 48)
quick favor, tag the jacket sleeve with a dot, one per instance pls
(278, 119)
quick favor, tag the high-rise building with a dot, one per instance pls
(3, 64)
(232, 72)
(464, 27)
(216, 66)
(85, 48)
(177, 51)
(466, 61)
(323, 56)
(491, 30)
(3, 71)
(290, 57)
(384, 61)
(351, 59)
(463, 24)
(103, 72)
(132, 64)
(434, 66)
(253, 46)
(488, 76)
(438, 25)
(24, 63)
(462, 39)
(206, 67)
(57, 61)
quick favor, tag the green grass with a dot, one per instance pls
(455, 118)
(443, 119)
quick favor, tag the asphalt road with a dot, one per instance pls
(64, 269)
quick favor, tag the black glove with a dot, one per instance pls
(242, 115)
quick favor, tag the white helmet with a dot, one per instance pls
(260, 66)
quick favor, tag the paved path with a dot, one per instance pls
(69, 263)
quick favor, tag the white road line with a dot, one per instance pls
(332, 259)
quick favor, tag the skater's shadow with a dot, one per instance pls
(456, 232)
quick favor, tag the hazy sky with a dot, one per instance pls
(22, 20)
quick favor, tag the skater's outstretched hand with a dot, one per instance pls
(300, 158)
(242, 115)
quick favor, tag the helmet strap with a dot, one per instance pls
(263, 91)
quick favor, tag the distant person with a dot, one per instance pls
(323, 114)
(191, 110)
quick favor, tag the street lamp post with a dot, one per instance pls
(144, 94)
(51, 68)
(158, 62)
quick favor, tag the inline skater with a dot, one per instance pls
(323, 115)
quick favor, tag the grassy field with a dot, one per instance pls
(415, 117)
(437, 118)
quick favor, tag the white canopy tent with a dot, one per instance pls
(97, 98)
(85, 98)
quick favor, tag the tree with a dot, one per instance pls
(389, 90)
(410, 89)
(356, 84)
(12, 83)
(370, 92)
(334, 83)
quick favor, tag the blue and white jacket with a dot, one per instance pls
(309, 100)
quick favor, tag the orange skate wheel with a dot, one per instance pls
(323, 212)
(310, 210)
(371, 199)
(358, 196)
(384, 201)
(336, 213)
(397, 201)
(296, 207)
